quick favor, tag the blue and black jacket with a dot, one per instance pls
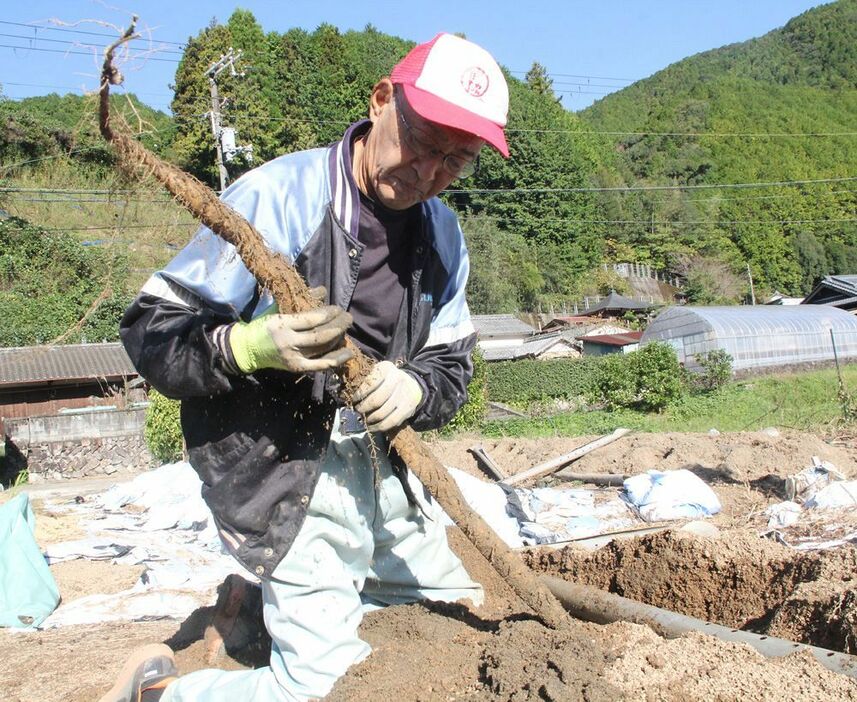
(257, 441)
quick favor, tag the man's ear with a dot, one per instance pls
(382, 95)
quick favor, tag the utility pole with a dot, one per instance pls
(226, 61)
(752, 290)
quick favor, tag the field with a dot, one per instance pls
(450, 652)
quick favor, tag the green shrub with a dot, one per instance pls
(522, 382)
(648, 379)
(473, 411)
(163, 432)
(48, 283)
(615, 383)
(716, 368)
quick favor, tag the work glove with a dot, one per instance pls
(388, 397)
(301, 343)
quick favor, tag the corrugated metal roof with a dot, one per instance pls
(488, 325)
(631, 337)
(531, 348)
(38, 364)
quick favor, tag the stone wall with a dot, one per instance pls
(102, 443)
(88, 458)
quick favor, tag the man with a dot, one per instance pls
(306, 496)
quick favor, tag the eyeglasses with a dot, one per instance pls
(420, 144)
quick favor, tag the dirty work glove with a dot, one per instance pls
(388, 397)
(300, 343)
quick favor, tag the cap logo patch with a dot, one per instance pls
(474, 81)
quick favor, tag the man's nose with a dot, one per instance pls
(428, 166)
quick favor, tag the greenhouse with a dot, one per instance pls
(757, 336)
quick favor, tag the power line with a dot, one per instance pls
(73, 201)
(78, 31)
(139, 55)
(638, 188)
(579, 75)
(74, 43)
(573, 132)
(119, 193)
(119, 227)
(696, 222)
(645, 188)
(822, 193)
(579, 92)
(4, 83)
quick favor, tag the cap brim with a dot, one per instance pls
(439, 111)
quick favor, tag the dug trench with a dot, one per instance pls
(735, 579)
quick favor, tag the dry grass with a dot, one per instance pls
(102, 208)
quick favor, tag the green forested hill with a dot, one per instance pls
(779, 108)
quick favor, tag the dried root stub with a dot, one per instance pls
(291, 293)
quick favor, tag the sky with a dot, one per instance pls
(589, 48)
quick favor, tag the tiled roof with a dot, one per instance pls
(831, 289)
(615, 301)
(488, 325)
(631, 337)
(39, 364)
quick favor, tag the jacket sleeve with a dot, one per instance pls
(444, 372)
(182, 350)
(176, 331)
(443, 365)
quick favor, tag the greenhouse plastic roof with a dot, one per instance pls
(757, 336)
(750, 320)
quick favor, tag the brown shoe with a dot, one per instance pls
(144, 676)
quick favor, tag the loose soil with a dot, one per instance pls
(499, 652)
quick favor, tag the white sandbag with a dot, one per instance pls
(664, 496)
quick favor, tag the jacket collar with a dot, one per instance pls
(346, 196)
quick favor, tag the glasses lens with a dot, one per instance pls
(459, 167)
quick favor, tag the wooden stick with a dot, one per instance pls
(486, 462)
(274, 272)
(559, 461)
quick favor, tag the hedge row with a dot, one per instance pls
(530, 380)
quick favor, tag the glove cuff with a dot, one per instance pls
(248, 342)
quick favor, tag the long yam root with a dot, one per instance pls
(276, 274)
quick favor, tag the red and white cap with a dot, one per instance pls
(454, 82)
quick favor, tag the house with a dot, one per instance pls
(542, 346)
(615, 305)
(70, 411)
(45, 380)
(779, 299)
(500, 331)
(569, 321)
(603, 344)
(835, 290)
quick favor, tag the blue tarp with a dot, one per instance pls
(28, 591)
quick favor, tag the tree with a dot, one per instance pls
(812, 258)
(503, 275)
(708, 280)
(538, 80)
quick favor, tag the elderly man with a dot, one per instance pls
(305, 492)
